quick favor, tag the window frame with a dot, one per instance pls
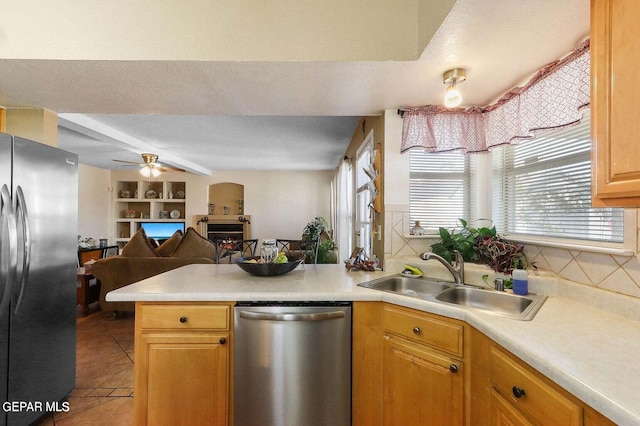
(363, 217)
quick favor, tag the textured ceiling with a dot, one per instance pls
(271, 115)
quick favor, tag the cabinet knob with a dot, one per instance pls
(518, 392)
(183, 319)
(223, 340)
(453, 368)
(416, 330)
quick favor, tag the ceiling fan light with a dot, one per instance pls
(452, 97)
(145, 171)
(155, 172)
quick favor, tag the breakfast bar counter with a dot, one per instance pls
(590, 352)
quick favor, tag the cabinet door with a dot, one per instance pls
(421, 387)
(615, 128)
(184, 377)
(505, 414)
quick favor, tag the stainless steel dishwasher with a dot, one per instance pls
(292, 363)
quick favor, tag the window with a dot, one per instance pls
(364, 187)
(439, 189)
(539, 188)
(542, 187)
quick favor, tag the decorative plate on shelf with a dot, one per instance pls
(175, 214)
(151, 194)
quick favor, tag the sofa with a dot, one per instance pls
(140, 259)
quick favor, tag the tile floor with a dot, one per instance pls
(104, 373)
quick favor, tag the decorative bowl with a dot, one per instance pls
(268, 269)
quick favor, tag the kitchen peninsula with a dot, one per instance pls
(589, 354)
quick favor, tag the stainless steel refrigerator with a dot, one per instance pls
(38, 259)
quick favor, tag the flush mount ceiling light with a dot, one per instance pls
(452, 96)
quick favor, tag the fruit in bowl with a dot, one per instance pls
(282, 258)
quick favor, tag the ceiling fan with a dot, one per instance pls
(151, 167)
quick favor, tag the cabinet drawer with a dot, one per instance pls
(424, 328)
(538, 399)
(183, 316)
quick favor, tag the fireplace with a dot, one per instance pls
(224, 227)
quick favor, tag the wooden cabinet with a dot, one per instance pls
(147, 201)
(412, 367)
(421, 386)
(182, 359)
(423, 369)
(505, 414)
(528, 394)
(514, 393)
(366, 387)
(408, 367)
(615, 128)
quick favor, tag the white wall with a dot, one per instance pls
(94, 205)
(281, 203)
(205, 30)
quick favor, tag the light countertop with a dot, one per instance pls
(590, 352)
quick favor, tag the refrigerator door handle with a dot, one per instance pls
(10, 232)
(22, 213)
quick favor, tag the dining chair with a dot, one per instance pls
(293, 247)
(238, 248)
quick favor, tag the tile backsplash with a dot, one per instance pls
(618, 274)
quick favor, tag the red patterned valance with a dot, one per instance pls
(553, 98)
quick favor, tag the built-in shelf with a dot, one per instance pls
(145, 201)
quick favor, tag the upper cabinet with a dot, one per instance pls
(615, 127)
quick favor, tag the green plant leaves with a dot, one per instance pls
(480, 245)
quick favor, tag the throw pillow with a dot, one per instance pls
(193, 245)
(169, 246)
(139, 246)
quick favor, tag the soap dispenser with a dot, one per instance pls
(520, 282)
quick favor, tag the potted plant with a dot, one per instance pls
(481, 245)
(317, 230)
(463, 239)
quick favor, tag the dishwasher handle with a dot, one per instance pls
(316, 316)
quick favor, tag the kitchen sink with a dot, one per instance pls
(494, 302)
(509, 305)
(415, 287)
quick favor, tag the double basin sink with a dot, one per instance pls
(509, 305)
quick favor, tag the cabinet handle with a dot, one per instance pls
(223, 340)
(416, 330)
(518, 392)
(183, 319)
(453, 368)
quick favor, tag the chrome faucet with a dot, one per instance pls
(457, 270)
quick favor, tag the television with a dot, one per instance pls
(161, 230)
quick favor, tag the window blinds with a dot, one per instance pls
(542, 187)
(439, 189)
